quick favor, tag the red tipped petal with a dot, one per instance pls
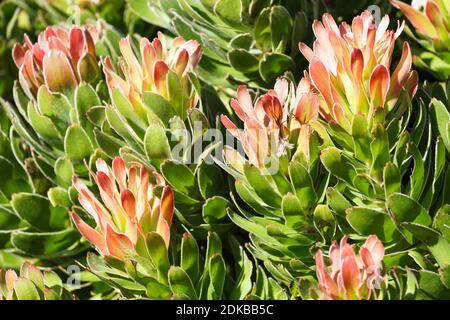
(105, 183)
(350, 277)
(167, 205)
(379, 85)
(245, 100)
(307, 109)
(118, 244)
(376, 248)
(181, 63)
(357, 64)
(159, 75)
(120, 172)
(237, 109)
(321, 80)
(18, 54)
(163, 229)
(306, 51)
(90, 234)
(401, 72)
(76, 44)
(128, 203)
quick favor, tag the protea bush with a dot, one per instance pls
(224, 149)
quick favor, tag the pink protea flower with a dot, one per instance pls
(350, 68)
(60, 59)
(352, 277)
(151, 70)
(265, 130)
(129, 208)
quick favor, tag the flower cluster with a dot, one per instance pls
(156, 70)
(350, 65)
(130, 208)
(352, 277)
(61, 58)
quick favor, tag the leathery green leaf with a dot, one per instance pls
(368, 221)
(180, 283)
(190, 256)
(77, 144)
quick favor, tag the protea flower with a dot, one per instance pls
(265, 133)
(31, 284)
(61, 58)
(350, 68)
(352, 277)
(158, 69)
(432, 24)
(129, 208)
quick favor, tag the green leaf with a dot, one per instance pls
(214, 209)
(405, 209)
(77, 144)
(158, 253)
(379, 149)
(88, 69)
(417, 178)
(442, 221)
(64, 172)
(55, 106)
(109, 144)
(292, 211)
(43, 126)
(156, 143)
(85, 98)
(281, 27)
(337, 165)
(262, 31)
(263, 186)
(25, 289)
(157, 291)
(368, 221)
(37, 211)
(243, 61)
(242, 41)
(391, 179)
(176, 94)
(445, 276)
(360, 135)
(303, 185)
(252, 199)
(438, 246)
(243, 283)
(127, 110)
(59, 197)
(8, 220)
(32, 273)
(273, 65)
(217, 273)
(180, 283)
(337, 201)
(190, 256)
(430, 283)
(324, 221)
(181, 178)
(48, 244)
(229, 11)
(211, 181)
(441, 118)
